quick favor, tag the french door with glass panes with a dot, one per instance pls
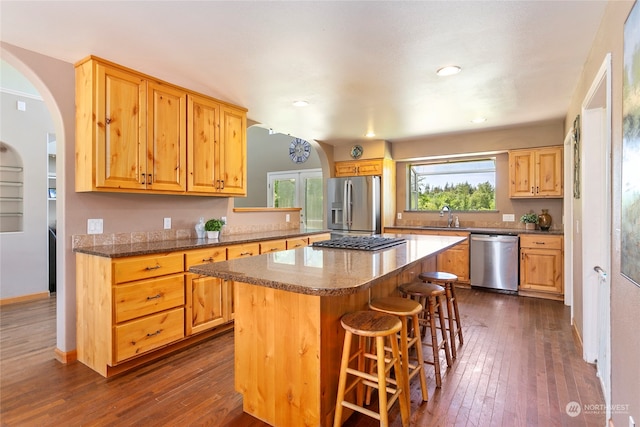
(298, 189)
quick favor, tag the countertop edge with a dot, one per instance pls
(165, 246)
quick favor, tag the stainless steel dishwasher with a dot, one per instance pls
(494, 261)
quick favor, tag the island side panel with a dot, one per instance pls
(277, 354)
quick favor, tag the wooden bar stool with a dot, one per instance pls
(406, 309)
(447, 281)
(378, 326)
(429, 295)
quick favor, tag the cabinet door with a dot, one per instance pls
(541, 270)
(166, 138)
(521, 174)
(121, 128)
(549, 172)
(206, 304)
(345, 169)
(369, 167)
(233, 152)
(244, 250)
(455, 261)
(203, 133)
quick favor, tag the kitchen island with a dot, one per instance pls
(287, 309)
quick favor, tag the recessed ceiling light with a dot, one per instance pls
(370, 134)
(300, 103)
(479, 120)
(449, 70)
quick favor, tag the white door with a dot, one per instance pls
(596, 226)
(299, 189)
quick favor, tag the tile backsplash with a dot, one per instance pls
(88, 240)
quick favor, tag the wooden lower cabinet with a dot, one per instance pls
(454, 260)
(541, 269)
(136, 309)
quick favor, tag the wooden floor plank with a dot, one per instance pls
(519, 366)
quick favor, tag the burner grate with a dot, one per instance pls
(361, 243)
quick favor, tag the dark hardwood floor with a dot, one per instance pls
(519, 366)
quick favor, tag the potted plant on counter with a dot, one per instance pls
(530, 220)
(213, 227)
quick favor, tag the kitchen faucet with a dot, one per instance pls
(444, 209)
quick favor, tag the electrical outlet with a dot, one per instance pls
(224, 218)
(287, 218)
(94, 226)
(508, 217)
(167, 223)
(399, 216)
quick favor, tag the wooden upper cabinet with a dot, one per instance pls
(217, 147)
(233, 151)
(134, 132)
(114, 140)
(166, 138)
(203, 130)
(359, 168)
(536, 173)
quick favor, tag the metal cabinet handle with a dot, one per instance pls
(154, 297)
(210, 259)
(246, 253)
(153, 268)
(144, 178)
(150, 180)
(155, 333)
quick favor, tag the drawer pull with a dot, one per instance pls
(155, 333)
(154, 297)
(210, 259)
(273, 249)
(153, 268)
(539, 243)
(297, 246)
(246, 253)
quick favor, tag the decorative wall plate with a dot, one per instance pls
(356, 151)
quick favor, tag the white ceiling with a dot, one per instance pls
(361, 65)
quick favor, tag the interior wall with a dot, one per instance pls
(625, 295)
(268, 153)
(497, 142)
(24, 261)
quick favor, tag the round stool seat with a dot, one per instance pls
(421, 289)
(396, 305)
(370, 323)
(440, 276)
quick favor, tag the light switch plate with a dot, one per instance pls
(508, 217)
(94, 226)
(167, 223)
(399, 216)
(287, 218)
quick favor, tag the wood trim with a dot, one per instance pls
(65, 357)
(240, 210)
(577, 339)
(22, 298)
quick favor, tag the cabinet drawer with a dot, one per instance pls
(148, 296)
(141, 335)
(319, 238)
(145, 267)
(540, 242)
(205, 256)
(239, 251)
(297, 243)
(272, 246)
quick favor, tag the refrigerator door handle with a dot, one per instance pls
(345, 203)
(349, 203)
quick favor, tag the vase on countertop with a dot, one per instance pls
(544, 220)
(200, 233)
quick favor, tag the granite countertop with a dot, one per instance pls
(148, 248)
(328, 272)
(478, 230)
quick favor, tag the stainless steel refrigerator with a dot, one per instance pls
(354, 205)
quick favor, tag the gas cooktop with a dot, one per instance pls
(361, 243)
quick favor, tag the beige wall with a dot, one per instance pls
(625, 296)
(497, 142)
